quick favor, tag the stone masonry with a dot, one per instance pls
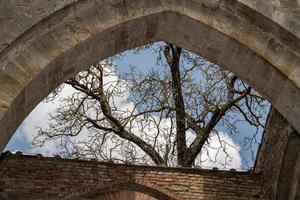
(272, 151)
(43, 43)
(276, 175)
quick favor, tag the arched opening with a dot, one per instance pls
(261, 53)
(56, 54)
(138, 88)
(124, 190)
(124, 195)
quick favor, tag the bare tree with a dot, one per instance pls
(164, 115)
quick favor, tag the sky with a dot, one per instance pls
(21, 140)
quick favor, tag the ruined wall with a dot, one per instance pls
(58, 45)
(35, 177)
(18, 16)
(272, 150)
(288, 186)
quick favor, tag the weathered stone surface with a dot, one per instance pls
(18, 16)
(289, 180)
(43, 43)
(77, 34)
(271, 152)
(284, 12)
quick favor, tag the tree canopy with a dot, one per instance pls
(162, 115)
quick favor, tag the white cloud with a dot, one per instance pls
(39, 118)
(216, 157)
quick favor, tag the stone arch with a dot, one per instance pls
(105, 187)
(228, 33)
(124, 195)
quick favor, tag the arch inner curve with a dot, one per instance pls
(86, 32)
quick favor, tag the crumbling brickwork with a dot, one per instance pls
(36, 177)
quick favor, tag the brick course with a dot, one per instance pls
(33, 177)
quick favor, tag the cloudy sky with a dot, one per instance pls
(21, 140)
(39, 118)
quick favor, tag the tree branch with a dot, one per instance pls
(117, 127)
(200, 140)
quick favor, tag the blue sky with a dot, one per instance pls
(145, 60)
(148, 59)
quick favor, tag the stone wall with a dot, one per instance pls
(18, 16)
(36, 177)
(59, 42)
(284, 12)
(276, 175)
(272, 150)
(42, 43)
(288, 186)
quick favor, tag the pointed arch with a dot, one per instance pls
(106, 187)
(230, 34)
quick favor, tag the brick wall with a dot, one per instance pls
(36, 177)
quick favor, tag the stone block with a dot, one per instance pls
(274, 83)
(55, 75)
(4, 136)
(37, 90)
(16, 71)
(16, 113)
(295, 74)
(288, 97)
(142, 7)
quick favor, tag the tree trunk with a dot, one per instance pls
(174, 63)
